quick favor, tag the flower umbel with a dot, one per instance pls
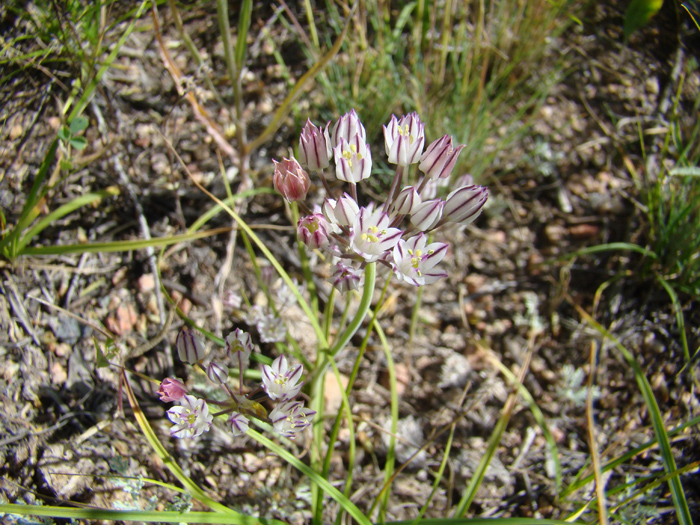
(191, 418)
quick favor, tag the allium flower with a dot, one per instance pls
(347, 127)
(353, 160)
(238, 423)
(281, 382)
(239, 346)
(290, 418)
(345, 278)
(217, 372)
(313, 230)
(404, 139)
(342, 212)
(271, 328)
(315, 148)
(372, 237)
(414, 262)
(171, 389)
(406, 201)
(191, 418)
(189, 346)
(440, 158)
(427, 214)
(464, 204)
(291, 180)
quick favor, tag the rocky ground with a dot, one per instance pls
(66, 429)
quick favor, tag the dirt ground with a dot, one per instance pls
(66, 429)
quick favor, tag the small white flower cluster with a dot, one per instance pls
(395, 232)
(281, 384)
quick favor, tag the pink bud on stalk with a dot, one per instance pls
(315, 149)
(464, 204)
(171, 389)
(189, 346)
(313, 230)
(439, 158)
(404, 139)
(291, 180)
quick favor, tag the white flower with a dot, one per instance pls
(290, 418)
(464, 204)
(404, 139)
(353, 160)
(440, 158)
(372, 237)
(427, 214)
(191, 418)
(271, 328)
(414, 262)
(281, 382)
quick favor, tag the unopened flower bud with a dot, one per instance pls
(440, 158)
(189, 346)
(217, 372)
(347, 127)
(406, 201)
(239, 346)
(315, 149)
(238, 423)
(343, 211)
(291, 180)
(171, 389)
(313, 230)
(427, 214)
(464, 204)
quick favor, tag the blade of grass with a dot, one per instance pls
(153, 516)
(677, 493)
(121, 246)
(496, 435)
(313, 476)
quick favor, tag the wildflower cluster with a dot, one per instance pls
(394, 233)
(281, 385)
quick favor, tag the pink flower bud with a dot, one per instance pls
(464, 204)
(171, 389)
(291, 180)
(189, 346)
(313, 230)
(315, 149)
(439, 158)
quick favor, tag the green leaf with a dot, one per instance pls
(78, 143)
(64, 134)
(78, 124)
(100, 359)
(639, 13)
